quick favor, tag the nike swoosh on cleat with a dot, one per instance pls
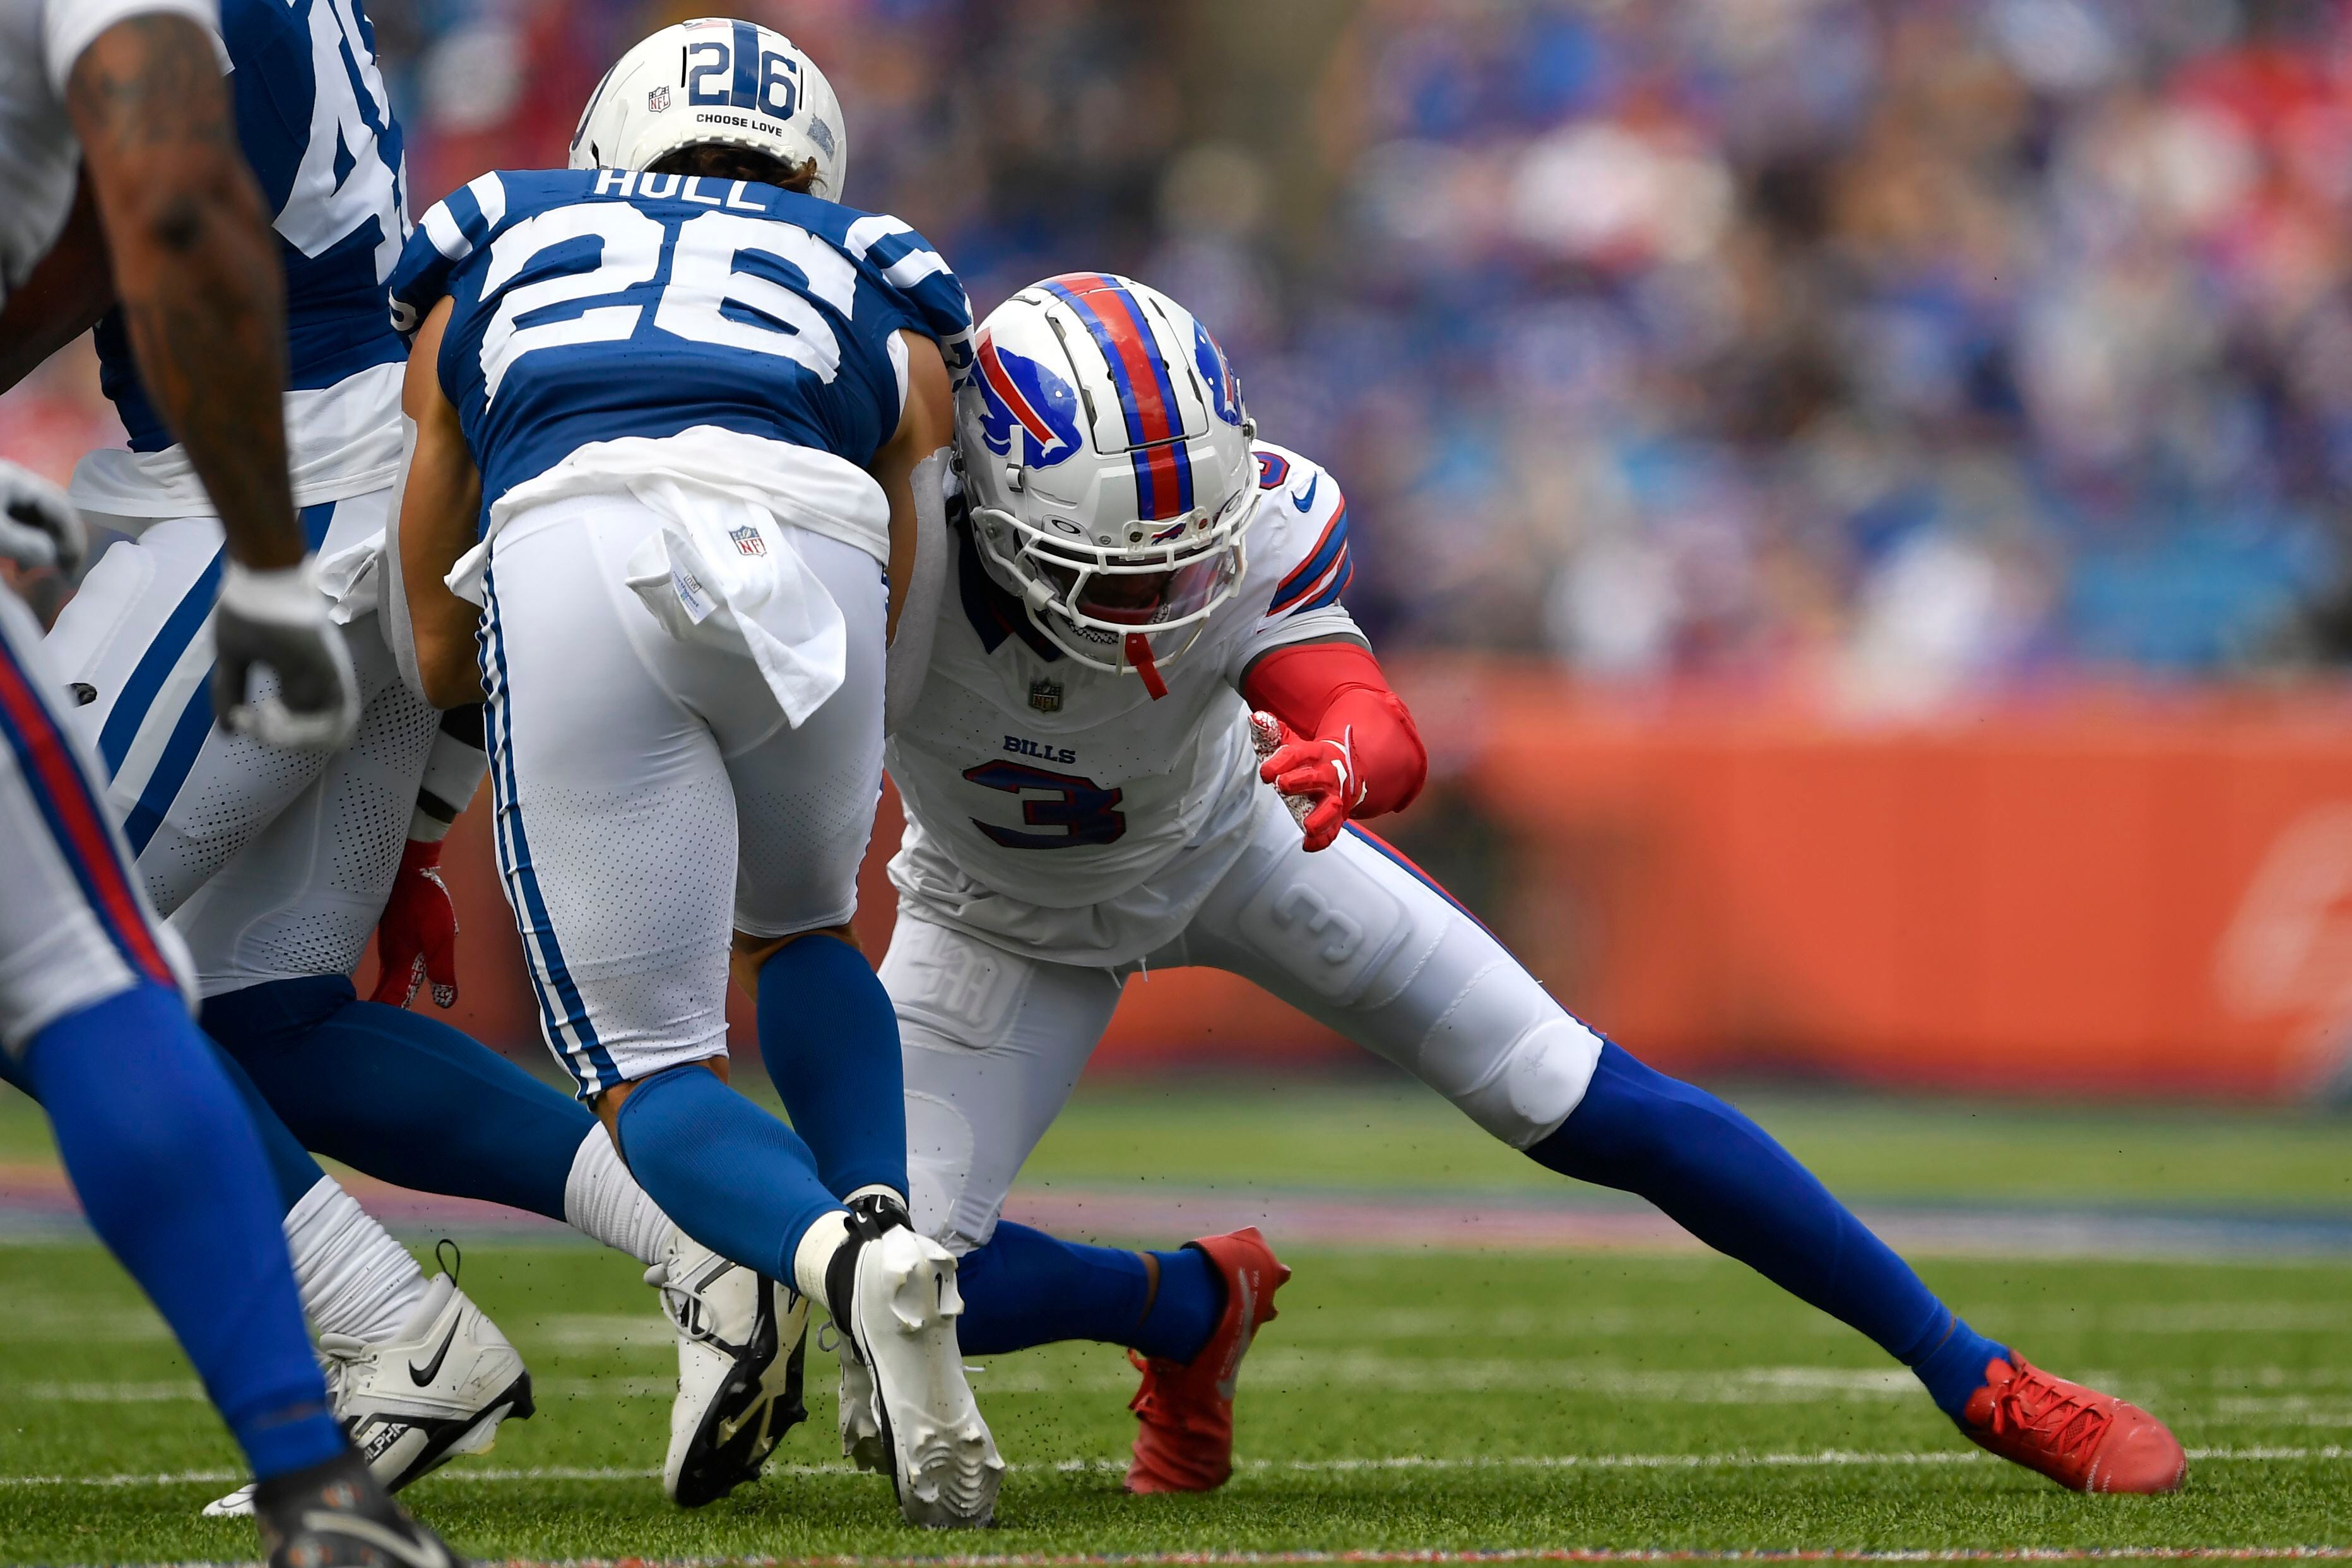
(433, 1367)
(419, 1553)
(1306, 501)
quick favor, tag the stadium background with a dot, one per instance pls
(1853, 488)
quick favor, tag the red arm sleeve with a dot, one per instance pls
(1335, 691)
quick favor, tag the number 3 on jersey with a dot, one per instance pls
(537, 264)
(1082, 810)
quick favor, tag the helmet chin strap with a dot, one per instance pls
(1137, 649)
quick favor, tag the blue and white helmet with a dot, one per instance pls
(715, 80)
(1107, 461)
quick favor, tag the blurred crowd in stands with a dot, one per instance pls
(1913, 347)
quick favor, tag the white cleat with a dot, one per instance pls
(894, 1297)
(437, 1389)
(861, 1429)
(741, 1339)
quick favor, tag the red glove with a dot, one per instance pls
(1317, 779)
(1332, 738)
(416, 939)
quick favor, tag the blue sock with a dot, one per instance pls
(830, 1039)
(292, 1168)
(1722, 1178)
(400, 1096)
(1026, 1287)
(733, 1177)
(173, 1180)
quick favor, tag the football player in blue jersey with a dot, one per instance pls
(676, 409)
(92, 1011)
(274, 865)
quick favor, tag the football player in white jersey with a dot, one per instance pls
(91, 1010)
(1136, 574)
(274, 865)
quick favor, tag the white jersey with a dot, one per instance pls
(1062, 811)
(40, 42)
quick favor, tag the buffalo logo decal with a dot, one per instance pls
(1027, 407)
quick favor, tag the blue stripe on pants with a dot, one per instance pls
(538, 930)
(193, 724)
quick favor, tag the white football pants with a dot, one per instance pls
(1354, 937)
(74, 927)
(274, 865)
(651, 795)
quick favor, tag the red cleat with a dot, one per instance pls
(2079, 1438)
(1184, 1411)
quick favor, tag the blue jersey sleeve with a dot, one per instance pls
(927, 294)
(453, 229)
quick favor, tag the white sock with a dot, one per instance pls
(601, 1199)
(819, 1242)
(355, 1280)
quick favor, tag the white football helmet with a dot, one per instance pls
(715, 80)
(1107, 460)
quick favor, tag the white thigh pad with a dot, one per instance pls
(992, 1045)
(1328, 922)
(1358, 941)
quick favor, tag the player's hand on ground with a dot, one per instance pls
(416, 940)
(278, 621)
(1317, 779)
(39, 527)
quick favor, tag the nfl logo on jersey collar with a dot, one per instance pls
(748, 541)
(1046, 696)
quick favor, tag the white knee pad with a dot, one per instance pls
(940, 1147)
(1505, 1052)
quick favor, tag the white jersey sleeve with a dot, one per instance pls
(69, 26)
(1299, 564)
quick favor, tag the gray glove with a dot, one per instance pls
(38, 525)
(278, 621)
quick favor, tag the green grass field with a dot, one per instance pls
(1417, 1400)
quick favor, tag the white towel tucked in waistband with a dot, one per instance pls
(727, 573)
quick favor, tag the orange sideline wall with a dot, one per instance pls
(2080, 893)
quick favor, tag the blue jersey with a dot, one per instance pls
(594, 305)
(314, 122)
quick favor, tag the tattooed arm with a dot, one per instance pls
(195, 266)
(197, 272)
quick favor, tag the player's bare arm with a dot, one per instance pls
(63, 298)
(438, 508)
(196, 274)
(195, 266)
(927, 424)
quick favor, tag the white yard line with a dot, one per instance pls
(1279, 1559)
(1819, 1458)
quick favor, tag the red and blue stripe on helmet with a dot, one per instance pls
(1146, 396)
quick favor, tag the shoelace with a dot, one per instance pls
(2033, 1402)
(339, 1361)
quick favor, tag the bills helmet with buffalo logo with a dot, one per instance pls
(1107, 461)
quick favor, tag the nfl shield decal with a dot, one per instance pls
(1046, 696)
(659, 98)
(748, 541)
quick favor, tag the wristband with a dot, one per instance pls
(286, 596)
